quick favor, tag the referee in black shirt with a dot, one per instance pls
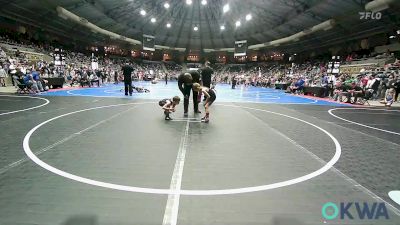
(206, 74)
(185, 83)
(127, 70)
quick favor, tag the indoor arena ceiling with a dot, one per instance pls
(270, 19)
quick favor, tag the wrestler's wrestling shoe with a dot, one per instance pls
(205, 120)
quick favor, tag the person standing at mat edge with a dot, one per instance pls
(185, 83)
(127, 70)
(206, 74)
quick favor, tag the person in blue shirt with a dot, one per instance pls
(36, 78)
(28, 81)
(298, 85)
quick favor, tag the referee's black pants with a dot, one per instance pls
(128, 87)
(186, 92)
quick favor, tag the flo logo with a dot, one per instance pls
(350, 210)
(370, 15)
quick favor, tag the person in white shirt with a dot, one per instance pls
(331, 84)
(94, 79)
(370, 83)
(3, 76)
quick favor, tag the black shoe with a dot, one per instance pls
(126, 94)
(185, 114)
(130, 94)
(197, 111)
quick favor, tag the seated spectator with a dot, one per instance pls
(94, 79)
(37, 81)
(16, 75)
(3, 76)
(389, 98)
(297, 86)
(338, 89)
(84, 80)
(29, 82)
(354, 91)
(75, 78)
(372, 86)
(396, 86)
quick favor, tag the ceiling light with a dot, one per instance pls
(153, 20)
(225, 8)
(195, 28)
(204, 2)
(142, 12)
(237, 23)
(222, 27)
(168, 25)
(189, 2)
(248, 17)
(166, 5)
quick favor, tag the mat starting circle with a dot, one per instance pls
(297, 180)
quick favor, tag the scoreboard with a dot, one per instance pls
(148, 42)
(334, 65)
(59, 57)
(240, 48)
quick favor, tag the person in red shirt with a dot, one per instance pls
(364, 81)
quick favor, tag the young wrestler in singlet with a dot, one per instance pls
(210, 98)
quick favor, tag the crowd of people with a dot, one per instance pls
(78, 69)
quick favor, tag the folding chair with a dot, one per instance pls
(363, 100)
(85, 83)
(22, 88)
